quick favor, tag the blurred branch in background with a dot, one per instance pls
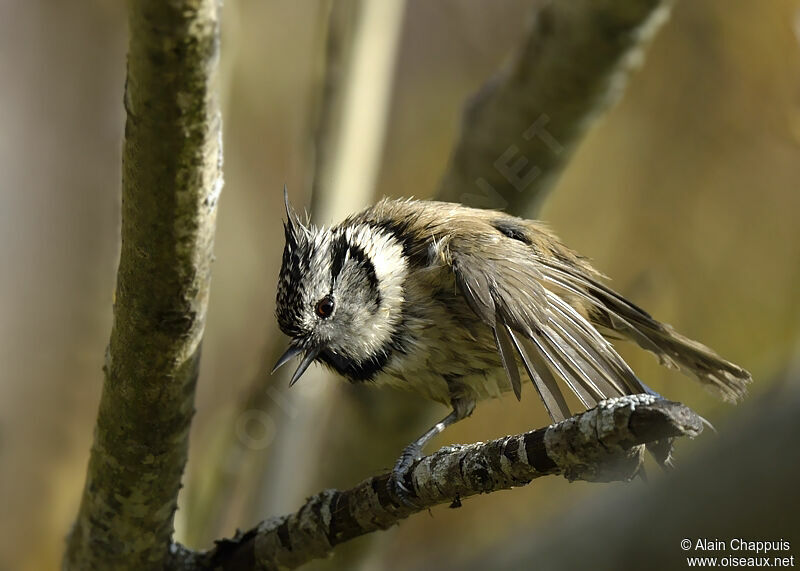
(603, 444)
(353, 108)
(348, 136)
(171, 181)
(737, 488)
(518, 131)
(221, 494)
(358, 45)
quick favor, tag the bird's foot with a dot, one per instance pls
(399, 487)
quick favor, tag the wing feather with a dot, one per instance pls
(542, 378)
(503, 342)
(555, 360)
(553, 343)
(591, 375)
(592, 347)
(553, 315)
(575, 285)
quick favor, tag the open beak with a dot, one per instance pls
(292, 352)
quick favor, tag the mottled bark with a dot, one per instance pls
(601, 445)
(171, 180)
(519, 129)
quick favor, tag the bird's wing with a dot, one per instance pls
(613, 313)
(504, 285)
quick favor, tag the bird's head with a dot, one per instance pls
(340, 296)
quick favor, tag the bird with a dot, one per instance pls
(452, 302)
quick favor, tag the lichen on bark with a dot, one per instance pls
(171, 180)
(604, 444)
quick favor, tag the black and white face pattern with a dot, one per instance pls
(340, 296)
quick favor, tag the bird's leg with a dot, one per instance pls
(462, 408)
(413, 451)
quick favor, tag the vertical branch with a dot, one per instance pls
(171, 182)
(351, 137)
(350, 127)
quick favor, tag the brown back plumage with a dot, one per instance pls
(546, 305)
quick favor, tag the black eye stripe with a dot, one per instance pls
(359, 256)
(339, 253)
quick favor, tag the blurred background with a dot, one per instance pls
(686, 193)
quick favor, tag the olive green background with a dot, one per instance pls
(686, 193)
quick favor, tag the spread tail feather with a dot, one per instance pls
(690, 357)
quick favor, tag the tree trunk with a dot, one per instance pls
(171, 182)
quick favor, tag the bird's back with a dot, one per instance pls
(488, 293)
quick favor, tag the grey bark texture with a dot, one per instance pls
(519, 129)
(600, 445)
(171, 181)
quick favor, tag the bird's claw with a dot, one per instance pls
(396, 484)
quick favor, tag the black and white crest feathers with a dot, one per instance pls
(294, 265)
(362, 270)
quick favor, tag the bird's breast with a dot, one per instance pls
(447, 348)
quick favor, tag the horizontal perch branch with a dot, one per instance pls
(603, 444)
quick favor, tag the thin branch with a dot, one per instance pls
(518, 131)
(600, 445)
(171, 182)
(363, 38)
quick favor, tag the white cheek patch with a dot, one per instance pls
(386, 255)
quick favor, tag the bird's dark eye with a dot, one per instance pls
(325, 307)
